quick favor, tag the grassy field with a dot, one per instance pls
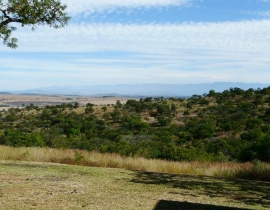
(31, 185)
(254, 171)
(38, 178)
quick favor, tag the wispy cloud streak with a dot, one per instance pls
(174, 39)
(87, 7)
(111, 53)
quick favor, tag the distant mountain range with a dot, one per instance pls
(155, 90)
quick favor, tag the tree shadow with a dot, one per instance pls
(244, 191)
(176, 205)
(25, 165)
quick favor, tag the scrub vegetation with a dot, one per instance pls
(202, 152)
(232, 126)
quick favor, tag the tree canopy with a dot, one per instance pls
(31, 13)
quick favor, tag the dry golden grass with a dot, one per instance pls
(257, 171)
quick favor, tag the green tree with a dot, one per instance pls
(211, 94)
(205, 129)
(89, 108)
(174, 109)
(104, 108)
(18, 139)
(31, 13)
(116, 115)
(76, 105)
(134, 123)
(163, 108)
(164, 120)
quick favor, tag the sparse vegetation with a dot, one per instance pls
(228, 126)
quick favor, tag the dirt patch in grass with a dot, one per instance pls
(25, 185)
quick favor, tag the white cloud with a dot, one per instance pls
(79, 75)
(265, 14)
(87, 7)
(163, 53)
(149, 53)
(173, 39)
(134, 69)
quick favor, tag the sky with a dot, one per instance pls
(111, 42)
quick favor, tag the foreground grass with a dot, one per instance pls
(253, 171)
(31, 185)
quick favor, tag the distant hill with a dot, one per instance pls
(142, 90)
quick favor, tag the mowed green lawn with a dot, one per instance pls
(28, 185)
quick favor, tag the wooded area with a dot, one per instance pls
(228, 126)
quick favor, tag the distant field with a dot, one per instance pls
(43, 100)
(30, 185)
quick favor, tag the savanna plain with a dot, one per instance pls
(40, 171)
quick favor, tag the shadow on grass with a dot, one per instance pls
(25, 165)
(243, 191)
(176, 205)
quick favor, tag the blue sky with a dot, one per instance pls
(144, 41)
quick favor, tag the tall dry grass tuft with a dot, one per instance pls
(257, 171)
(254, 171)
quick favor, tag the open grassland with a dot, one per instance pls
(12, 100)
(32, 185)
(253, 171)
